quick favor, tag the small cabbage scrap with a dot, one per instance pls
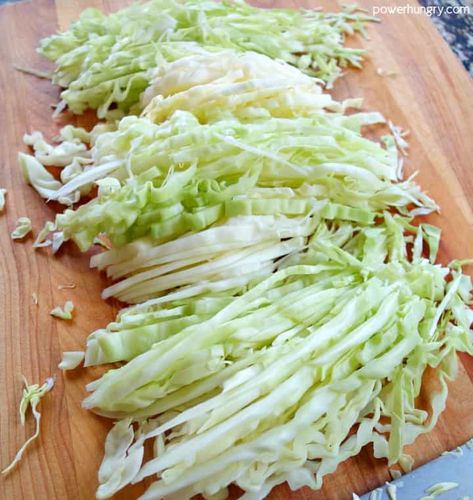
(71, 360)
(376, 494)
(43, 181)
(41, 240)
(386, 72)
(438, 489)
(122, 461)
(457, 452)
(63, 313)
(406, 462)
(69, 286)
(392, 491)
(32, 71)
(70, 147)
(398, 135)
(32, 395)
(3, 192)
(23, 228)
(395, 474)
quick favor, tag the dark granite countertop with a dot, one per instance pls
(455, 27)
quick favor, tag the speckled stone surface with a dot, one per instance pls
(456, 28)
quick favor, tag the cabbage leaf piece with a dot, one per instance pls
(65, 312)
(22, 229)
(71, 360)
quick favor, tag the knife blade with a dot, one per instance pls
(451, 467)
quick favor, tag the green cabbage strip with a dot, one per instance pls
(103, 60)
(285, 379)
(32, 395)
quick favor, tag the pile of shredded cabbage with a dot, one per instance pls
(284, 380)
(253, 191)
(287, 310)
(322, 157)
(103, 60)
(259, 157)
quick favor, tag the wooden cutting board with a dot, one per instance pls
(432, 97)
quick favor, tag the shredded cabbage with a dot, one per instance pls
(267, 386)
(286, 309)
(438, 489)
(22, 229)
(246, 85)
(32, 395)
(71, 360)
(103, 60)
(65, 312)
(183, 176)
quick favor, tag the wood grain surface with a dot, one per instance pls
(432, 97)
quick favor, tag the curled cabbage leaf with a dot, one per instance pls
(65, 312)
(22, 229)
